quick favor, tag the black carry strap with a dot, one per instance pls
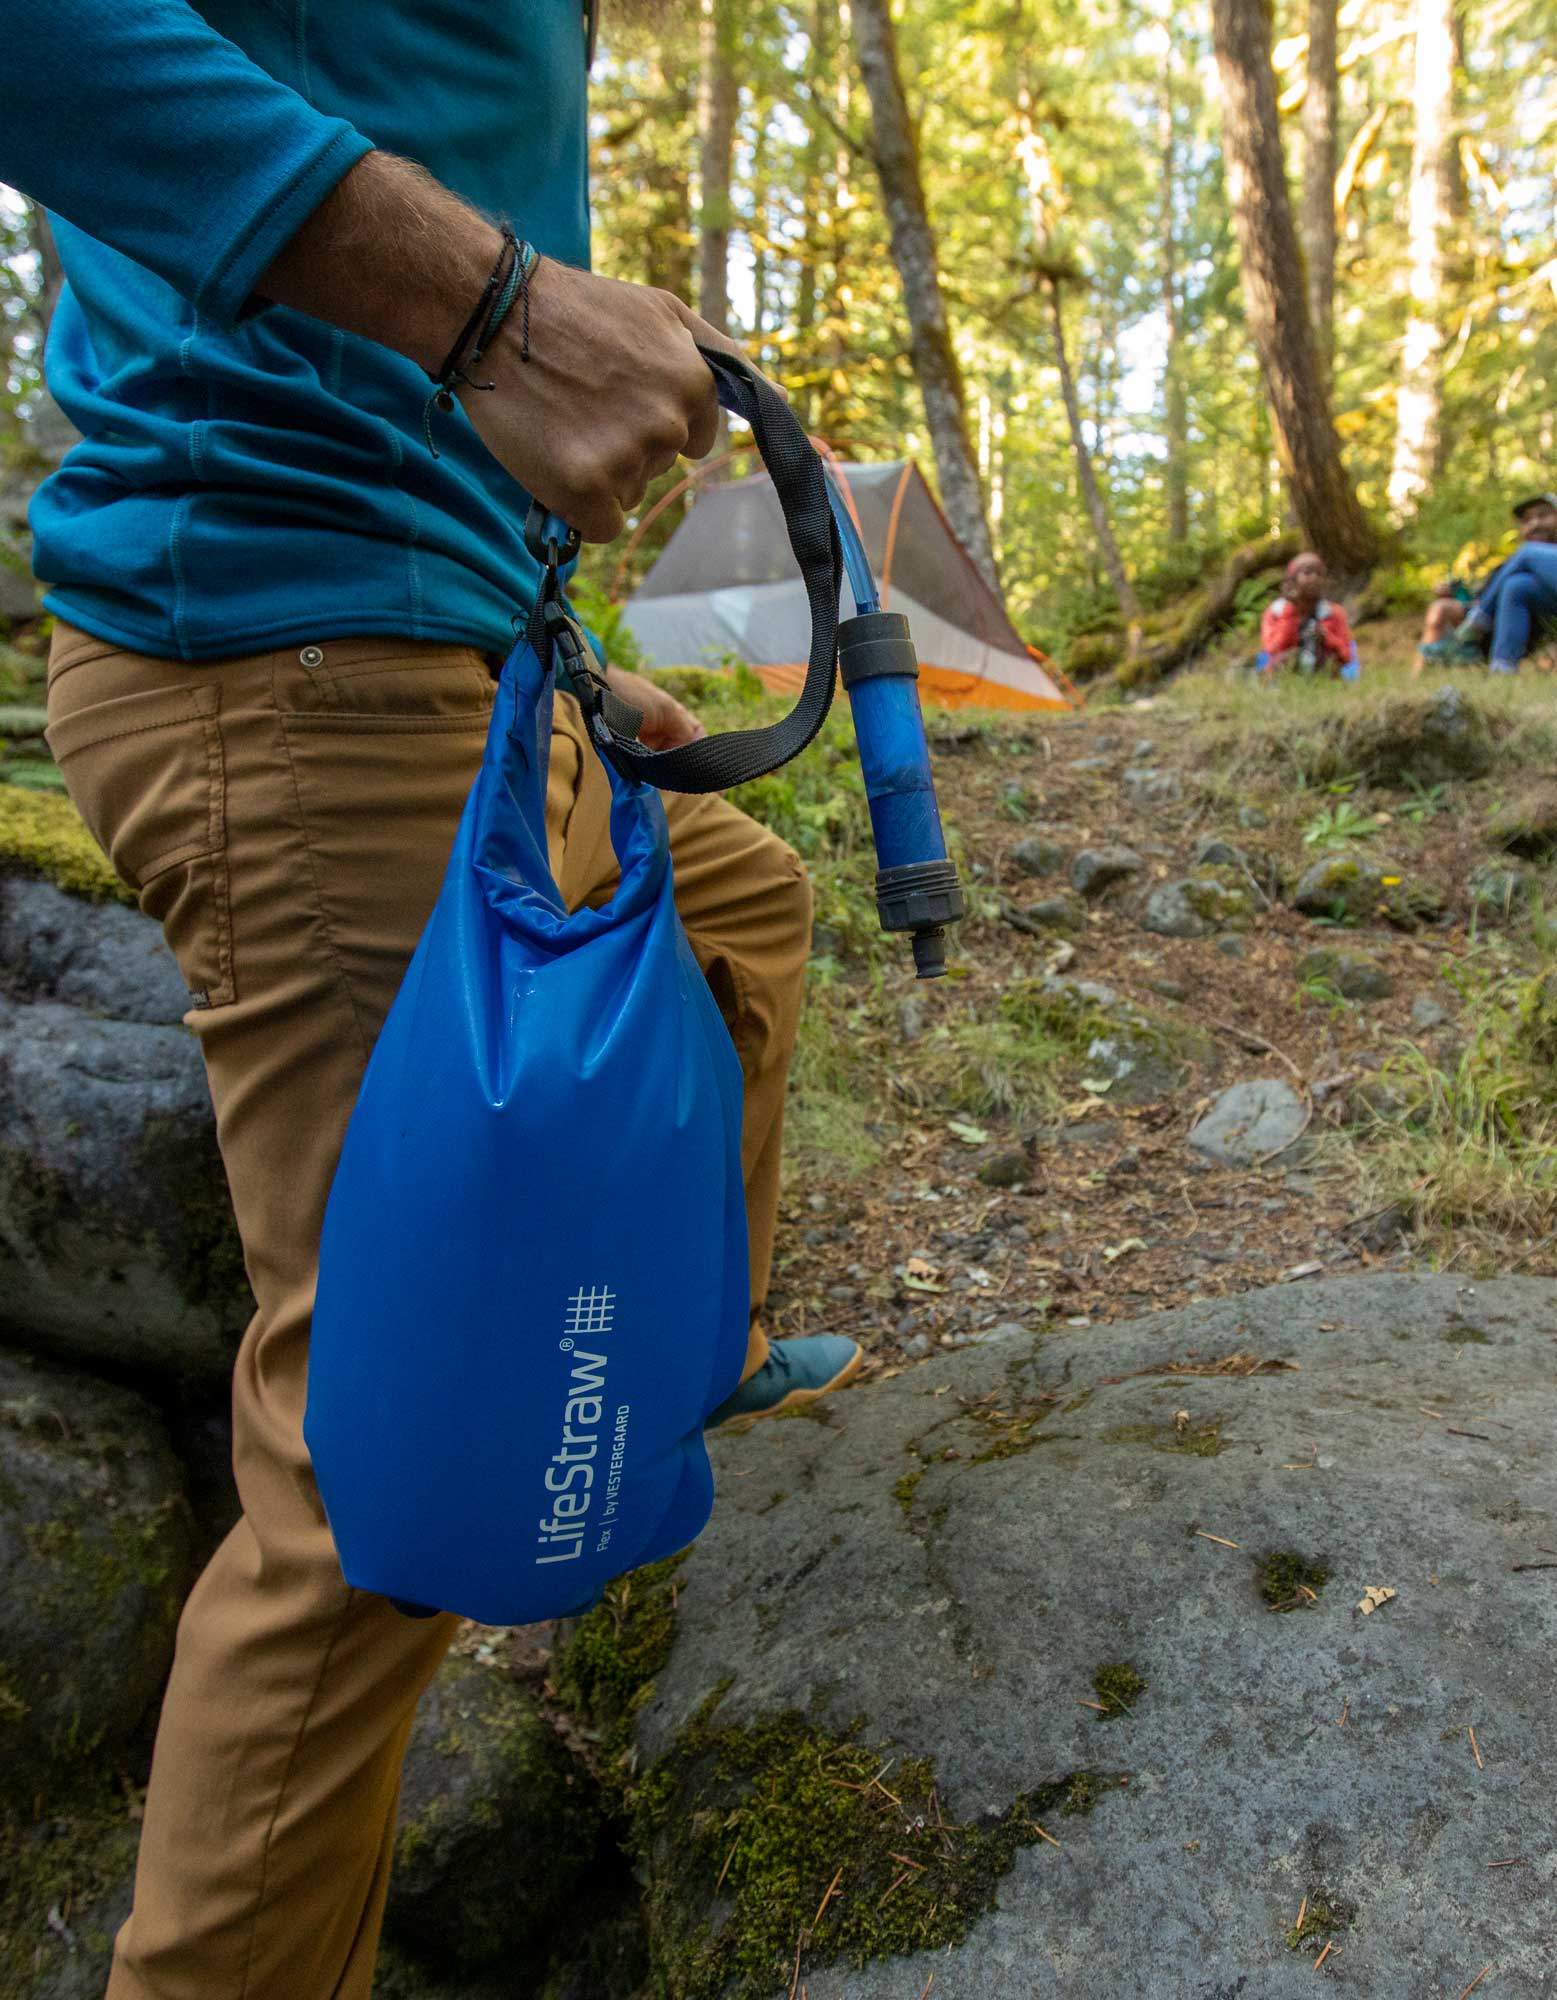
(718, 762)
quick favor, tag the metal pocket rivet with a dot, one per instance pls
(311, 656)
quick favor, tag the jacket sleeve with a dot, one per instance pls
(1273, 628)
(136, 121)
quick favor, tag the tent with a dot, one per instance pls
(725, 584)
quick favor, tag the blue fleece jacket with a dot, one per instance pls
(250, 478)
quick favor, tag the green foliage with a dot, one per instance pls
(1471, 1145)
(1338, 825)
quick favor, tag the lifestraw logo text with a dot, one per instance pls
(570, 1472)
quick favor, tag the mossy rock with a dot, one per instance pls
(1527, 825)
(1094, 653)
(1211, 900)
(96, 1543)
(75, 1864)
(497, 1821)
(1346, 889)
(117, 1241)
(1416, 740)
(1351, 974)
(43, 834)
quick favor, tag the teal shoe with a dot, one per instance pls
(1458, 650)
(795, 1372)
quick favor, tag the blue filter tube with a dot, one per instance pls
(916, 885)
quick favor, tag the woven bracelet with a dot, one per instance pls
(509, 283)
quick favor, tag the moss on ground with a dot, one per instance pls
(64, 1862)
(1195, 1440)
(43, 834)
(813, 1843)
(780, 1830)
(1321, 1918)
(1118, 1687)
(1286, 1579)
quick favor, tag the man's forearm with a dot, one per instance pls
(390, 253)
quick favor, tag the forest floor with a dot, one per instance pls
(976, 1151)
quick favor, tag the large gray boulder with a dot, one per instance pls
(1106, 1583)
(497, 1822)
(95, 1557)
(101, 957)
(117, 1244)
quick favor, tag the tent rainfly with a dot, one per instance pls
(725, 584)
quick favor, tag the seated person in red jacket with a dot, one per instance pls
(1303, 632)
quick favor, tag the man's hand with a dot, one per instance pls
(614, 390)
(666, 724)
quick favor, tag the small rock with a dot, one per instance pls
(1097, 869)
(826, 942)
(1143, 750)
(1250, 1123)
(1251, 816)
(1353, 975)
(1170, 989)
(1038, 855)
(1232, 947)
(1216, 853)
(1092, 764)
(1426, 1013)
(1055, 913)
(1380, 1232)
(1347, 889)
(1006, 1170)
(1150, 782)
(910, 1018)
(1198, 906)
(917, 1346)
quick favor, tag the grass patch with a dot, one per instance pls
(1470, 1148)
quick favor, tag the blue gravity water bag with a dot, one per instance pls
(533, 1277)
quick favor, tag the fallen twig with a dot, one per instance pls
(1477, 1748)
(1220, 1540)
(1519, 1566)
(1480, 1976)
(821, 1906)
(1044, 1836)
(1319, 1961)
(1481, 1436)
(1518, 1861)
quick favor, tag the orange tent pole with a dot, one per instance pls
(892, 521)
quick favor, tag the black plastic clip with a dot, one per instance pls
(549, 540)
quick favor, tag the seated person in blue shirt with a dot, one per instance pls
(1518, 598)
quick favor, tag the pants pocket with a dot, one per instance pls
(146, 773)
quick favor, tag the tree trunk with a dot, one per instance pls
(1321, 161)
(718, 102)
(1277, 313)
(1419, 439)
(896, 154)
(1175, 404)
(1091, 492)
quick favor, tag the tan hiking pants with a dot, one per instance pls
(287, 817)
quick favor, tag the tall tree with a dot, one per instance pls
(1419, 435)
(1274, 305)
(719, 98)
(1321, 161)
(1086, 472)
(895, 151)
(1175, 401)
